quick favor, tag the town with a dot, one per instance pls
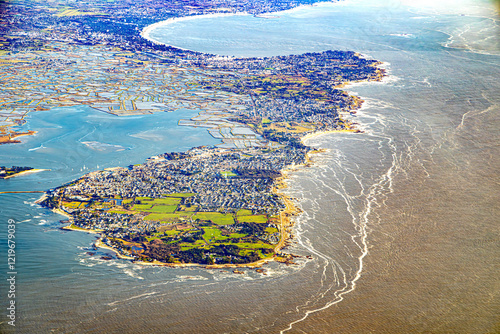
(210, 205)
(198, 205)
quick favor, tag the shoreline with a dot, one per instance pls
(291, 209)
(11, 138)
(99, 244)
(31, 171)
(146, 31)
(60, 212)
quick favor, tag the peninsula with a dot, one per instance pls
(210, 205)
(220, 205)
(8, 172)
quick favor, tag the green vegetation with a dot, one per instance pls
(253, 219)
(67, 11)
(213, 234)
(190, 208)
(163, 201)
(162, 209)
(244, 212)
(228, 174)
(215, 217)
(71, 205)
(127, 201)
(182, 195)
(169, 217)
(142, 207)
(171, 232)
(118, 211)
(140, 199)
(271, 230)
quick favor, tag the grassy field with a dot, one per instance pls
(271, 230)
(71, 205)
(215, 217)
(228, 174)
(163, 201)
(143, 199)
(244, 212)
(168, 217)
(142, 207)
(253, 219)
(237, 235)
(213, 234)
(74, 12)
(162, 209)
(118, 211)
(249, 245)
(181, 195)
(171, 233)
(192, 208)
(127, 201)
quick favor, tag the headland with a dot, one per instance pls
(210, 205)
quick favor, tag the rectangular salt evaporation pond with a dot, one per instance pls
(72, 141)
(239, 131)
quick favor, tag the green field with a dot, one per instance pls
(215, 217)
(244, 212)
(118, 211)
(227, 174)
(71, 205)
(271, 230)
(171, 233)
(168, 217)
(249, 245)
(143, 198)
(142, 207)
(161, 209)
(181, 195)
(192, 208)
(237, 235)
(213, 234)
(163, 201)
(253, 219)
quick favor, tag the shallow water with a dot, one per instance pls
(400, 220)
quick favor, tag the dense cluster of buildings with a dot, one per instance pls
(223, 180)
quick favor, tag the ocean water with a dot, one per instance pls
(401, 221)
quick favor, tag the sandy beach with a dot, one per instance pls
(145, 33)
(26, 172)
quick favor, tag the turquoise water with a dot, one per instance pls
(111, 141)
(400, 221)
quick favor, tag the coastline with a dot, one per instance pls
(98, 243)
(60, 212)
(146, 31)
(291, 209)
(73, 228)
(31, 171)
(11, 138)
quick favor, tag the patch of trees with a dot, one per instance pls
(194, 255)
(252, 228)
(158, 250)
